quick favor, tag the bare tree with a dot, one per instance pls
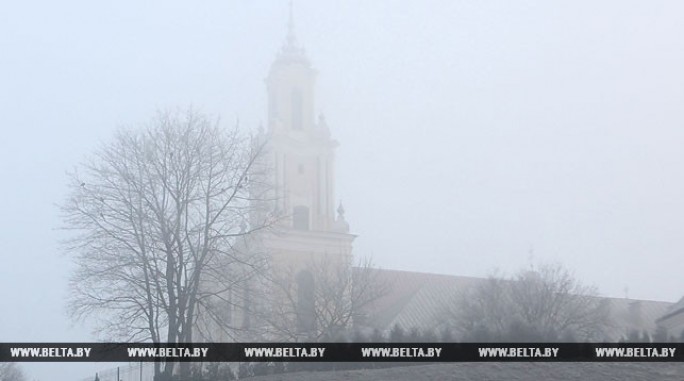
(157, 214)
(322, 300)
(544, 303)
(11, 372)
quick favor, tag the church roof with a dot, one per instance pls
(422, 300)
(674, 310)
(415, 299)
(635, 315)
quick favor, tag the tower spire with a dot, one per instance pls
(291, 38)
(290, 50)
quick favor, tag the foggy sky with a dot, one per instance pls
(474, 135)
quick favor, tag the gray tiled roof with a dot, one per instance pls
(632, 314)
(415, 299)
(675, 309)
(422, 300)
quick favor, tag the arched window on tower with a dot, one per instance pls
(297, 109)
(300, 218)
(306, 304)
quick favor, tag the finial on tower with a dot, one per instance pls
(291, 38)
(341, 225)
(291, 52)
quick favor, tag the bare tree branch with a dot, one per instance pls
(156, 214)
(542, 303)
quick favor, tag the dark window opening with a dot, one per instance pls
(297, 111)
(306, 304)
(300, 218)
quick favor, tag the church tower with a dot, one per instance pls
(309, 233)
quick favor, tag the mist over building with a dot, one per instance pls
(471, 137)
(300, 151)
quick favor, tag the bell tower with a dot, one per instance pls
(310, 234)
